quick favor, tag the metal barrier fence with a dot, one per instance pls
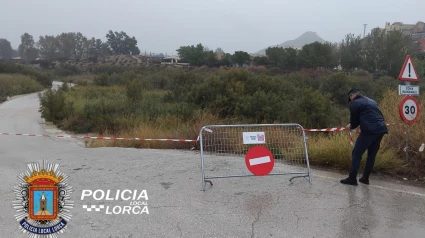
(253, 150)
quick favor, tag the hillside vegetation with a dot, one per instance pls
(68, 67)
(174, 103)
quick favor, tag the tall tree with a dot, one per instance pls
(219, 51)
(318, 54)
(350, 53)
(80, 46)
(385, 52)
(72, 45)
(95, 48)
(283, 57)
(290, 58)
(66, 43)
(194, 55)
(210, 58)
(27, 49)
(6, 51)
(373, 51)
(226, 60)
(419, 62)
(275, 55)
(49, 47)
(241, 58)
(397, 46)
(261, 60)
(121, 43)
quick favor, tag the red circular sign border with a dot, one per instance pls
(410, 122)
(249, 167)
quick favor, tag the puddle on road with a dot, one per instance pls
(166, 185)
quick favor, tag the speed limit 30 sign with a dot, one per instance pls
(409, 109)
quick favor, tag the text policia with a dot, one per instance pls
(137, 201)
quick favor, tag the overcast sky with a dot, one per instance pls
(165, 25)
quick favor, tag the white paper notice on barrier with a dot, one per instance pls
(254, 137)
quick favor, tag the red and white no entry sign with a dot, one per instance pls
(259, 160)
(409, 109)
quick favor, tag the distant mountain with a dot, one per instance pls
(306, 38)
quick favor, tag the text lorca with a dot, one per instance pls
(127, 210)
(118, 195)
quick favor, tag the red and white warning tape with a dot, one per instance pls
(327, 129)
(99, 137)
(332, 129)
(351, 139)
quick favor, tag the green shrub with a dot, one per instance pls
(64, 70)
(44, 78)
(16, 84)
(52, 105)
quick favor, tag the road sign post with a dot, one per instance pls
(409, 107)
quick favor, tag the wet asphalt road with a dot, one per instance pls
(238, 207)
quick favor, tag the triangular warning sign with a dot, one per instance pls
(408, 71)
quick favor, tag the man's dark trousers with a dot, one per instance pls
(371, 143)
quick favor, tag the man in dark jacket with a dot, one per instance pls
(366, 114)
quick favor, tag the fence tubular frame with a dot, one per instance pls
(296, 174)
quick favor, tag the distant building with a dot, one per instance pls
(173, 60)
(417, 36)
(420, 45)
(18, 60)
(157, 57)
(170, 60)
(405, 28)
(410, 29)
(416, 31)
(219, 56)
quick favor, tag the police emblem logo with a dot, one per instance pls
(43, 200)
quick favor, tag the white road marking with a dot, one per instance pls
(377, 186)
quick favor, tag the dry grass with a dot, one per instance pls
(334, 150)
(396, 139)
(164, 128)
(397, 132)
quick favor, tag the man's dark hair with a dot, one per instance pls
(353, 90)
